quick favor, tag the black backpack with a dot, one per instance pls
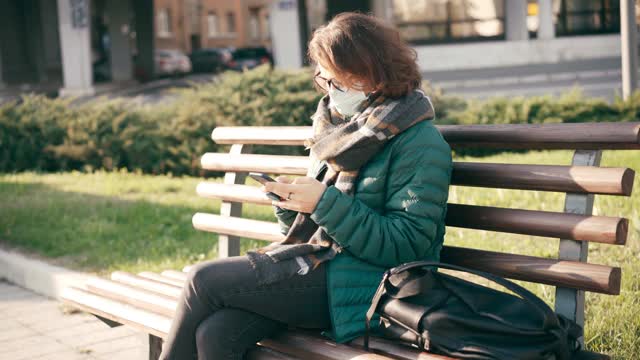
(446, 315)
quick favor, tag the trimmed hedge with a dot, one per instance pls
(37, 133)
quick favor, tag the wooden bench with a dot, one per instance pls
(147, 300)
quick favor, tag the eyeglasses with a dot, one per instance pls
(324, 83)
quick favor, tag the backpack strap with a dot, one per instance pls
(372, 309)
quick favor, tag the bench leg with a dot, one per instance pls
(570, 302)
(155, 347)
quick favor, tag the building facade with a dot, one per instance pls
(65, 46)
(188, 25)
(468, 34)
(70, 44)
(235, 23)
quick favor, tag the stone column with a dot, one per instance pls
(285, 31)
(1, 80)
(119, 29)
(546, 28)
(145, 24)
(34, 37)
(383, 9)
(75, 43)
(516, 20)
(629, 46)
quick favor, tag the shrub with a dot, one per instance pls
(37, 133)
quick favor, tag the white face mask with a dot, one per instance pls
(346, 102)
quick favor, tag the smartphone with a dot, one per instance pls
(263, 178)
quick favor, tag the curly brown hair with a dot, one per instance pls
(361, 48)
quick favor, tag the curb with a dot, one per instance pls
(38, 276)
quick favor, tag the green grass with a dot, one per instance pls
(107, 221)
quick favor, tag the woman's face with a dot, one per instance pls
(330, 76)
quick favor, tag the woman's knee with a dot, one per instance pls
(212, 278)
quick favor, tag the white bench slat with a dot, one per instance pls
(269, 135)
(159, 278)
(133, 295)
(232, 192)
(230, 225)
(119, 312)
(147, 284)
(278, 164)
(177, 275)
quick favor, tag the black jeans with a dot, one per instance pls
(223, 312)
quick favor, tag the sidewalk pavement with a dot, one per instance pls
(39, 328)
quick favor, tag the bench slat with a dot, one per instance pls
(278, 164)
(508, 136)
(119, 312)
(232, 192)
(157, 277)
(584, 276)
(146, 284)
(263, 353)
(572, 274)
(177, 275)
(604, 136)
(255, 229)
(132, 295)
(559, 178)
(602, 229)
(265, 135)
(397, 350)
(303, 345)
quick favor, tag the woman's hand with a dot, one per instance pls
(303, 193)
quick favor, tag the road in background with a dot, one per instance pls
(597, 78)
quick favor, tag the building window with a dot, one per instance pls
(164, 23)
(212, 24)
(254, 24)
(266, 32)
(231, 22)
(428, 21)
(583, 17)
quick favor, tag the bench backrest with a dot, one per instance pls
(570, 273)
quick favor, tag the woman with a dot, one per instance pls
(374, 197)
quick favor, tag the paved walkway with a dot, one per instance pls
(38, 328)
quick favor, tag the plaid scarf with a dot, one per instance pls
(346, 145)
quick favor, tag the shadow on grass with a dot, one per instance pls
(101, 234)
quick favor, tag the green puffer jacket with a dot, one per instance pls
(395, 216)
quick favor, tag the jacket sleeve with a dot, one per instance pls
(285, 218)
(415, 204)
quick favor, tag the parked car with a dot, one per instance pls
(249, 57)
(171, 62)
(210, 59)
